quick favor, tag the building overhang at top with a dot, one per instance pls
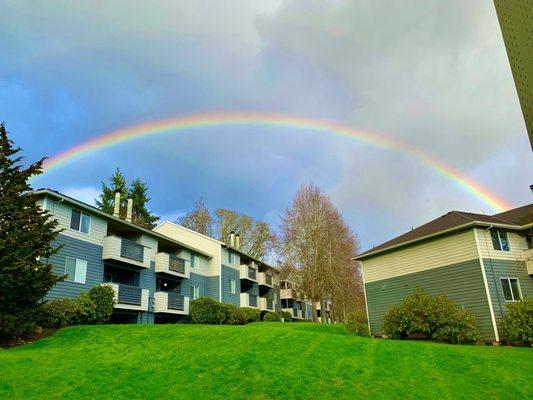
(94, 210)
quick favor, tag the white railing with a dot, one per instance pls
(249, 300)
(248, 272)
(265, 279)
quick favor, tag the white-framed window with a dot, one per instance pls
(500, 240)
(195, 292)
(233, 286)
(511, 289)
(75, 269)
(80, 221)
(230, 257)
(193, 261)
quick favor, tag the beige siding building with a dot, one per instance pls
(481, 262)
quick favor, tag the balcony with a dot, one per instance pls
(248, 300)
(126, 251)
(171, 303)
(266, 304)
(248, 272)
(265, 279)
(173, 265)
(287, 294)
(129, 297)
(296, 314)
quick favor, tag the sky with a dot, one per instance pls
(432, 74)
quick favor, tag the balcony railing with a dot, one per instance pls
(176, 301)
(266, 304)
(128, 294)
(126, 251)
(265, 279)
(249, 300)
(171, 303)
(129, 297)
(248, 272)
(172, 265)
(176, 264)
(132, 250)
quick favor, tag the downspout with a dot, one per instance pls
(493, 274)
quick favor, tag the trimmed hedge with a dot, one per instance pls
(234, 315)
(251, 314)
(272, 317)
(287, 317)
(88, 308)
(430, 317)
(357, 323)
(207, 311)
(517, 325)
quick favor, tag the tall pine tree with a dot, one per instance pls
(26, 235)
(137, 191)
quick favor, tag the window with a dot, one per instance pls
(230, 257)
(80, 221)
(500, 241)
(195, 292)
(233, 286)
(511, 289)
(194, 261)
(76, 269)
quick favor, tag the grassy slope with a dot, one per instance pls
(256, 361)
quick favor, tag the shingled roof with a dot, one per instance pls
(454, 219)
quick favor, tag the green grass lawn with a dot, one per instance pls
(257, 361)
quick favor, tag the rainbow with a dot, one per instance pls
(170, 125)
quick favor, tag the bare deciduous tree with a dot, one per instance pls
(199, 219)
(319, 246)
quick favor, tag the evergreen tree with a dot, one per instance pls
(26, 235)
(106, 201)
(138, 192)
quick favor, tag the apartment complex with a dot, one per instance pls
(482, 262)
(155, 273)
(516, 19)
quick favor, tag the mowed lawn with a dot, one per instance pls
(256, 361)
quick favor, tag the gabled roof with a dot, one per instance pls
(94, 210)
(517, 218)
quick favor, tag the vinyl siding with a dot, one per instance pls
(277, 303)
(496, 269)
(227, 274)
(452, 249)
(212, 287)
(517, 243)
(62, 211)
(461, 282)
(77, 249)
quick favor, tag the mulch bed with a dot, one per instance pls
(29, 338)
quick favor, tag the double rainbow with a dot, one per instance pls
(172, 125)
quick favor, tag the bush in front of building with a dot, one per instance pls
(272, 317)
(96, 305)
(234, 315)
(88, 308)
(287, 317)
(357, 323)
(517, 325)
(205, 310)
(251, 314)
(432, 317)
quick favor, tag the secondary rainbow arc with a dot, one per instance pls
(171, 125)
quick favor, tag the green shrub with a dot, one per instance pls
(251, 314)
(96, 305)
(88, 308)
(207, 311)
(287, 317)
(234, 315)
(60, 313)
(272, 317)
(438, 318)
(357, 323)
(517, 325)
